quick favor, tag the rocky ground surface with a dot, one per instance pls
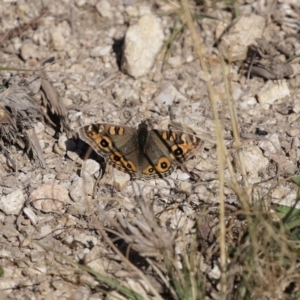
(66, 64)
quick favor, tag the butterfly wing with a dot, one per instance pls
(164, 150)
(114, 143)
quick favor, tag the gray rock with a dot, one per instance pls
(12, 203)
(143, 42)
(235, 43)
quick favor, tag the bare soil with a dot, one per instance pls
(56, 82)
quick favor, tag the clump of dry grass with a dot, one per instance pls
(20, 112)
(268, 259)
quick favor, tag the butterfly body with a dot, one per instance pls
(143, 153)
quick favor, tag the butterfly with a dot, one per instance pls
(142, 153)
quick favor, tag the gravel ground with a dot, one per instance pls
(84, 66)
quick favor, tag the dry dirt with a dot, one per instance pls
(72, 53)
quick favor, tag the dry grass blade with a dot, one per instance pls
(8, 156)
(55, 104)
(16, 99)
(220, 142)
(6, 119)
(35, 147)
(245, 197)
